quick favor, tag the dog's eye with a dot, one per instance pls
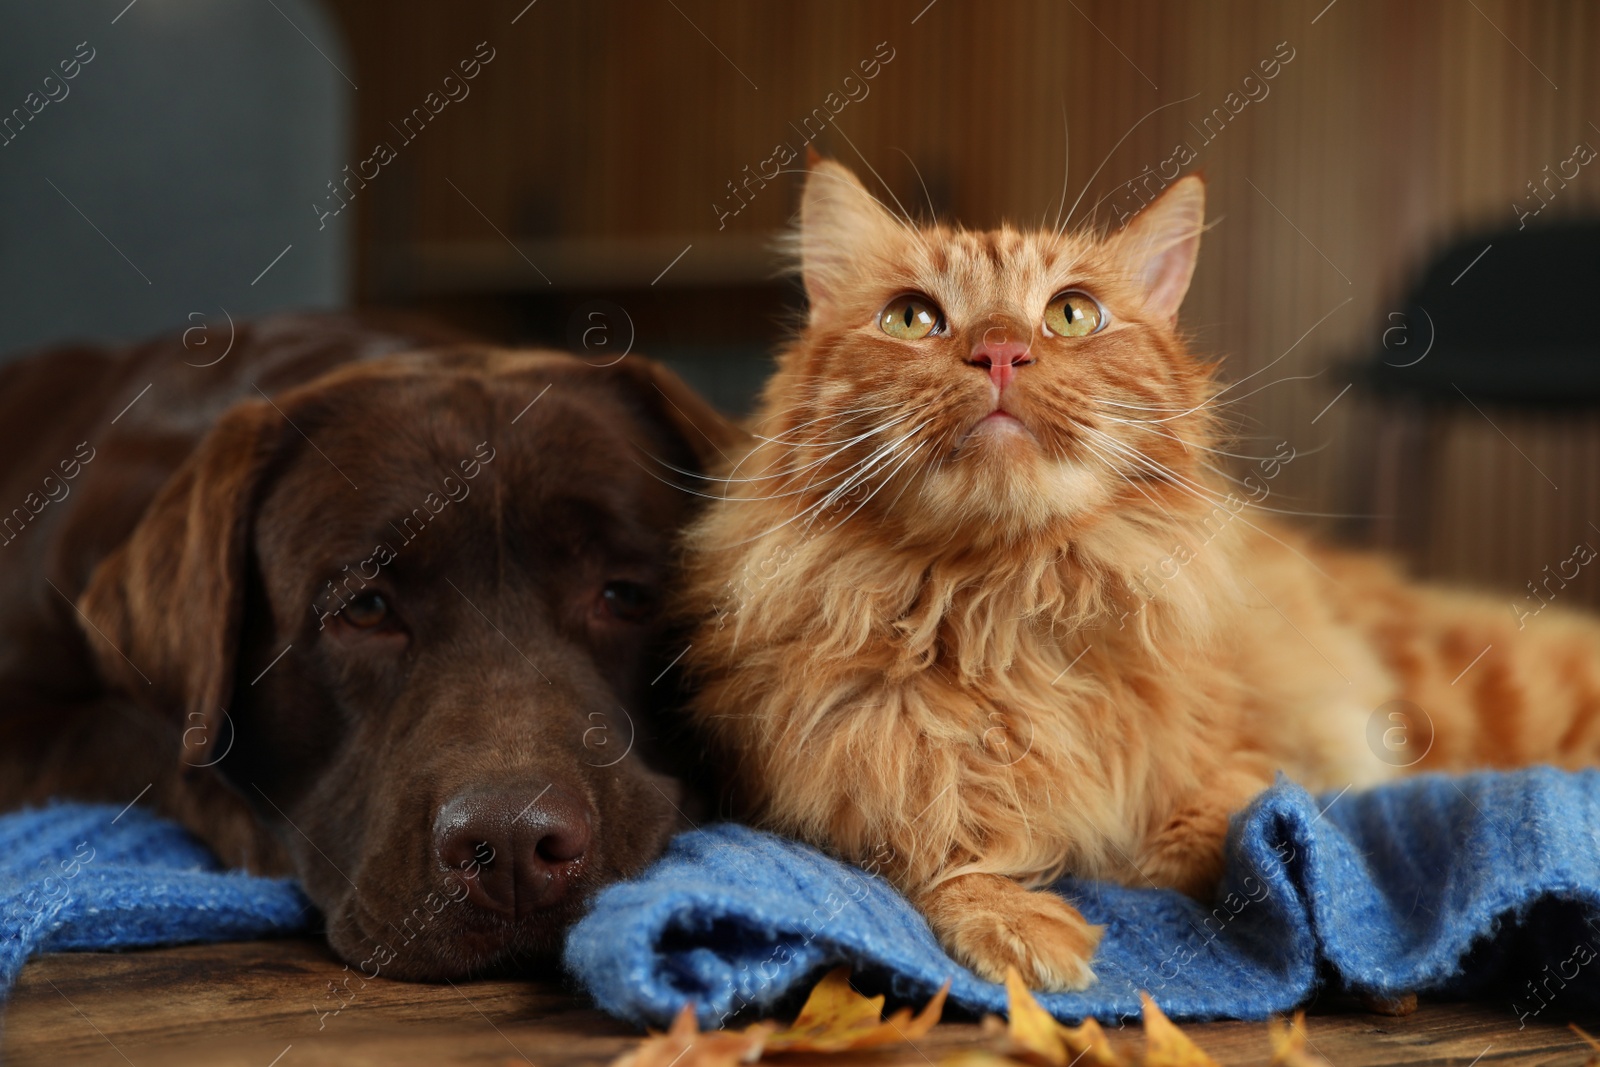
(627, 601)
(366, 611)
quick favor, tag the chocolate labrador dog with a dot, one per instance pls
(356, 606)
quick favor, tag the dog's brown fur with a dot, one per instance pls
(146, 609)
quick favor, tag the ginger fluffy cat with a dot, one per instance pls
(976, 607)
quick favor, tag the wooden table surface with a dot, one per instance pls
(255, 1004)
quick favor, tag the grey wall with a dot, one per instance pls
(194, 141)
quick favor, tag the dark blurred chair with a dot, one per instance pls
(162, 179)
(1486, 387)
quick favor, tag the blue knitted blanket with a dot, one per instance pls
(86, 876)
(1477, 886)
(1480, 886)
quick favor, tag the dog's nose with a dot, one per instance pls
(517, 851)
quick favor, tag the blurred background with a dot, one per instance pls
(1400, 272)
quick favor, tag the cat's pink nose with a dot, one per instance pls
(1001, 360)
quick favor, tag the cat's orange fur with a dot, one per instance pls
(934, 637)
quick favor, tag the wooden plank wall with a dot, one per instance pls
(1393, 127)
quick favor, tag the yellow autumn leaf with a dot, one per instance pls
(686, 1045)
(977, 1057)
(1034, 1032)
(1035, 1036)
(1167, 1046)
(1289, 1043)
(1593, 1060)
(836, 1018)
(1090, 1046)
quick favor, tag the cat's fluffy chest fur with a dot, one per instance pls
(1033, 719)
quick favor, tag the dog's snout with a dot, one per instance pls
(517, 850)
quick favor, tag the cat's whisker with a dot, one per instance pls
(895, 444)
(854, 473)
(1286, 511)
(1275, 381)
(1143, 424)
(790, 244)
(884, 453)
(808, 487)
(903, 488)
(1280, 358)
(858, 471)
(1185, 412)
(766, 477)
(904, 216)
(1204, 494)
(860, 463)
(812, 440)
(1162, 107)
(1167, 474)
(1198, 487)
(823, 418)
(1066, 166)
(696, 492)
(1142, 459)
(1178, 482)
(1135, 486)
(933, 212)
(886, 481)
(1214, 401)
(842, 446)
(1138, 407)
(792, 440)
(814, 430)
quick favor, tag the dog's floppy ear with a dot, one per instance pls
(165, 608)
(714, 440)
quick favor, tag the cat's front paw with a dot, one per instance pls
(989, 923)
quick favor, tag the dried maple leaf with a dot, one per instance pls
(1289, 1043)
(836, 1018)
(1090, 1046)
(1035, 1037)
(686, 1045)
(1034, 1033)
(1167, 1046)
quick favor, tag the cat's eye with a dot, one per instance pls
(366, 612)
(1074, 313)
(911, 318)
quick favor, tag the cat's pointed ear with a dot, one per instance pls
(840, 222)
(1161, 244)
